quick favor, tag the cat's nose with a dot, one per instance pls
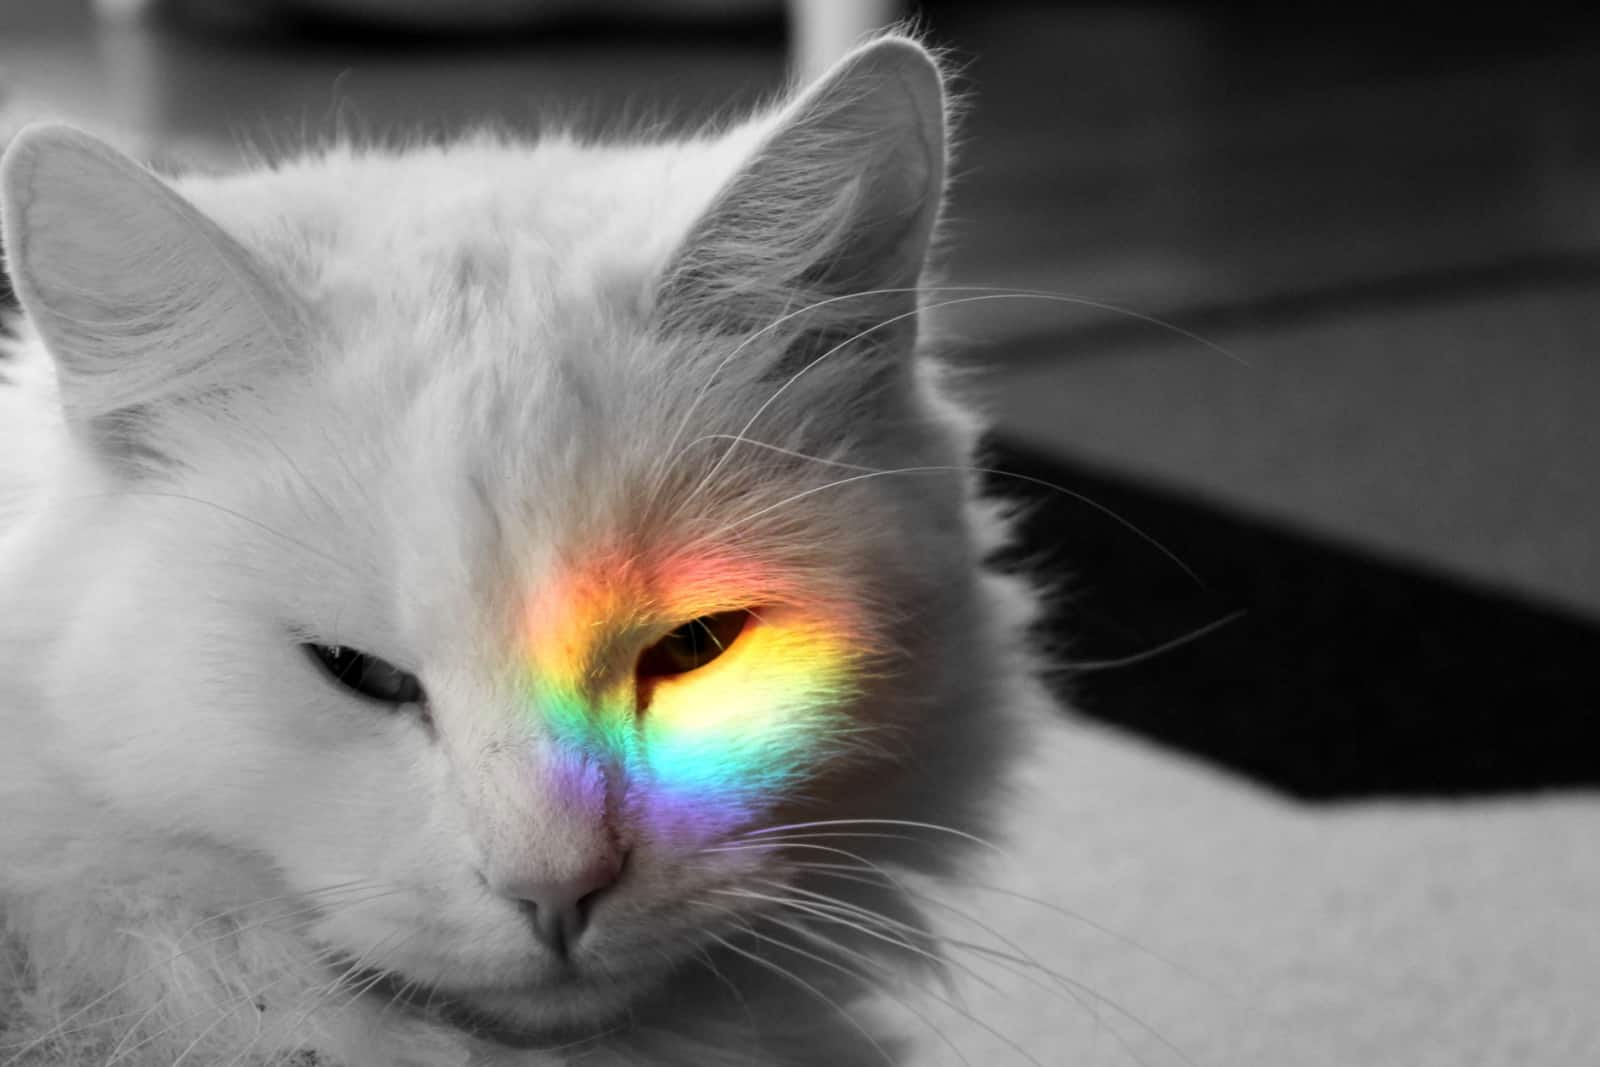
(559, 910)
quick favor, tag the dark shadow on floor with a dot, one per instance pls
(1346, 677)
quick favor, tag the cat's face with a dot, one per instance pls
(477, 622)
(566, 723)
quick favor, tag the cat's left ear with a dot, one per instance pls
(827, 224)
(140, 298)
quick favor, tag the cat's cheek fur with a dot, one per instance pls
(211, 723)
(216, 727)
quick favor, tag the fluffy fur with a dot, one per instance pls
(373, 397)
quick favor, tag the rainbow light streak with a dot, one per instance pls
(715, 741)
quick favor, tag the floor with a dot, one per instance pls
(1323, 298)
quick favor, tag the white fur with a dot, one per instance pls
(363, 397)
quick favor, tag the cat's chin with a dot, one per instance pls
(570, 1010)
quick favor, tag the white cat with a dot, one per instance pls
(452, 610)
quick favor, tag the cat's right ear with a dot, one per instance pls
(140, 298)
(825, 226)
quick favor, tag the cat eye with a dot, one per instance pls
(365, 675)
(692, 645)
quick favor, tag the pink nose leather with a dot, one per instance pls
(559, 909)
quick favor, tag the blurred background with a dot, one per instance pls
(1324, 318)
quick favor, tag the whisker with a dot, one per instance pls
(853, 873)
(238, 998)
(908, 823)
(840, 835)
(237, 1002)
(133, 1029)
(816, 911)
(869, 473)
(833, 909)
(1114, 935)
(704, 956)
(332, 988)
(57, 1034)
(57, 1030)
(399, 996)
(1085, 666)
(1070, 986)
(789, 975)
(803, 846)
(981, 297)
(369, 984)
(1022, 966)
(834, 946)
(981, 293)
(250, 997)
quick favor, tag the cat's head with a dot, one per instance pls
(498, 539)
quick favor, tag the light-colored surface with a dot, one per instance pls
(1422, 935)
(1461, 436)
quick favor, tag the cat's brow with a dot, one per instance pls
(221, 509)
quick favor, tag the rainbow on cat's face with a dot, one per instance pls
(701, 746)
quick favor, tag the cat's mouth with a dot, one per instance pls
(568, 1014)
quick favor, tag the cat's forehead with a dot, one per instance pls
(412, 233)
(485, 394)
(577, 453)
(482, 306)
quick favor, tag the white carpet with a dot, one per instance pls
(1417, 935)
